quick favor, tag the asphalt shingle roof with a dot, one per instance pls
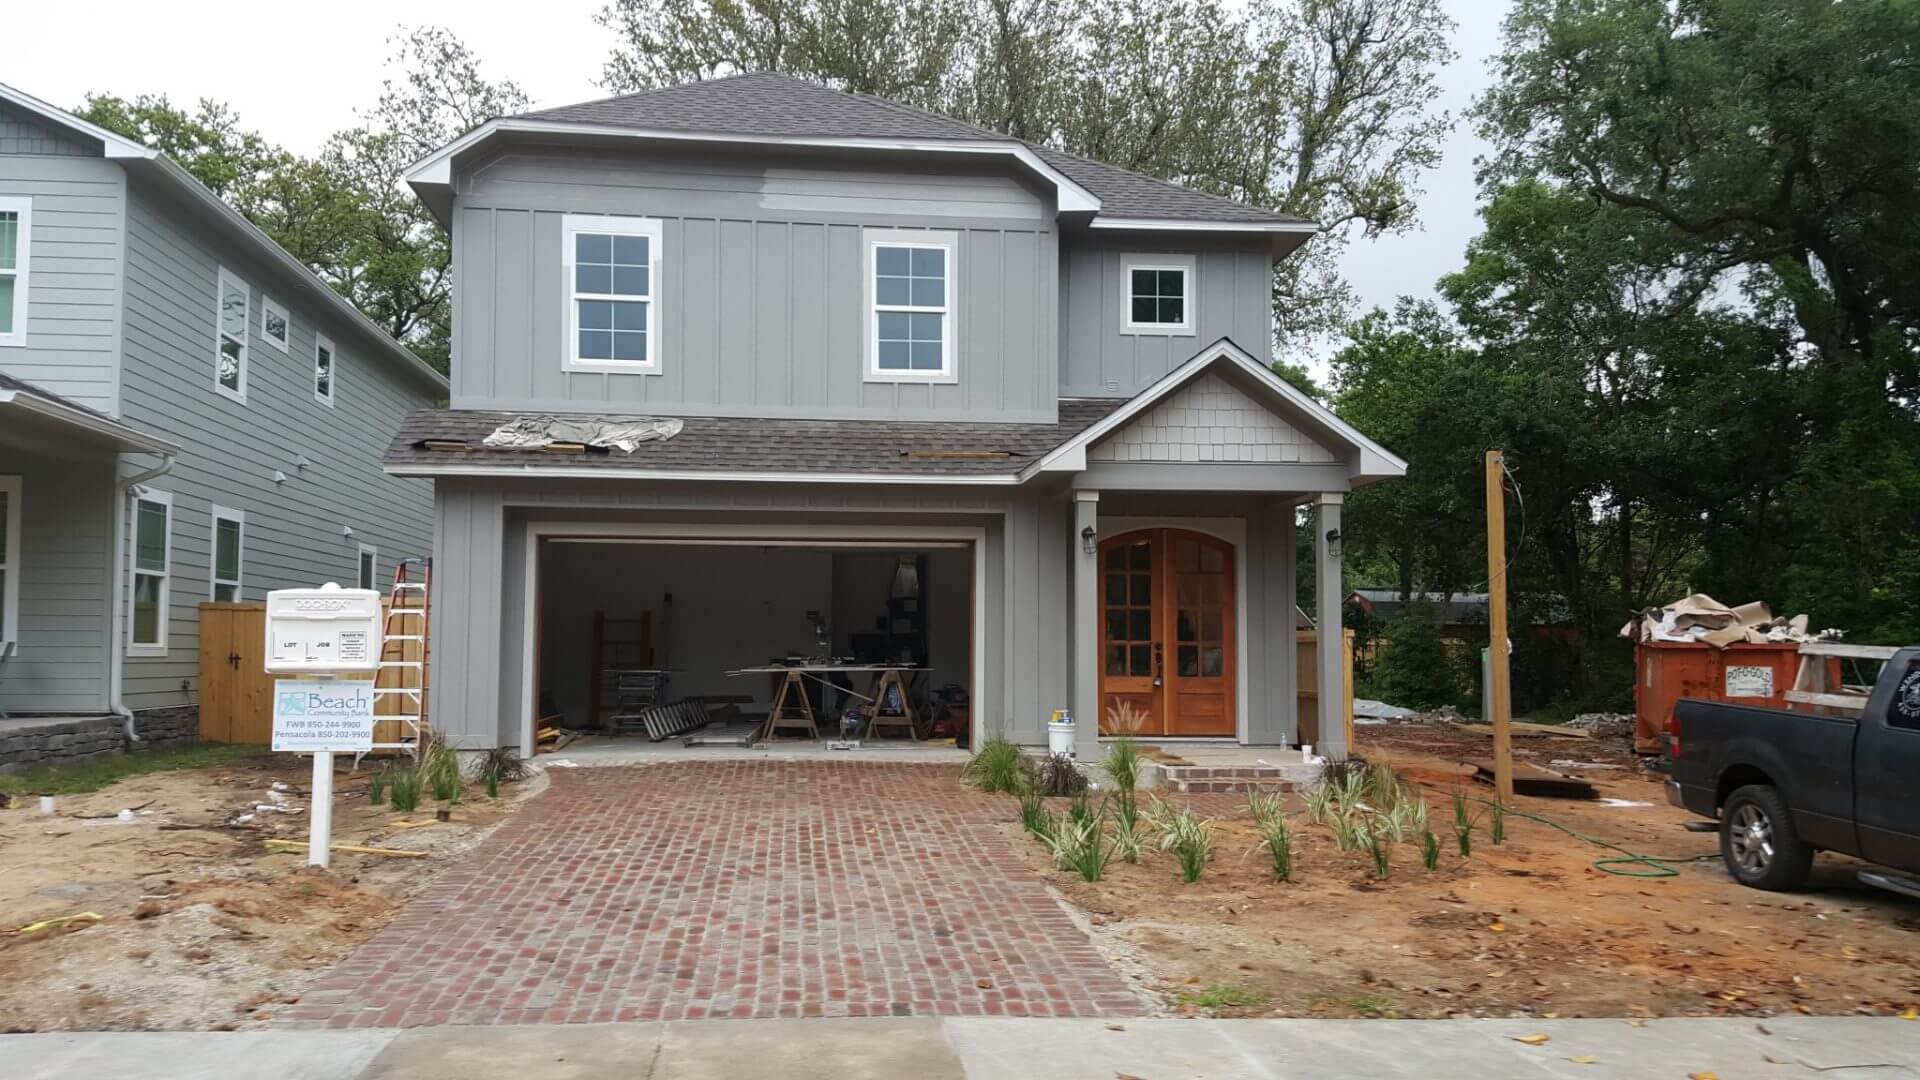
(727, 444)
(781, 106)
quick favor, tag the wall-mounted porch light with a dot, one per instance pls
(1333, 543)
(1088, 540)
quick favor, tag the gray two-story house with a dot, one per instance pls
(898, 389)
(187, 414)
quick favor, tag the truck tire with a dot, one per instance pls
(1758, 842)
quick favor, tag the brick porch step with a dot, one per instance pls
(1239, 779)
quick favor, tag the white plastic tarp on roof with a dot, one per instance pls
(540, 432)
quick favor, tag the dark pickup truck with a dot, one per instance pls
(1786, 783)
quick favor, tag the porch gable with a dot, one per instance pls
(1210, 419)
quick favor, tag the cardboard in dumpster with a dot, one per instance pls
(1701, 618)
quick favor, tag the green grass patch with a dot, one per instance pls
(1223, 996)
(1378, 1006)
(80, 777)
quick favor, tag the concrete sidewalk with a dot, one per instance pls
(924, 1048)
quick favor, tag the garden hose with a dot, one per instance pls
(1651, 866)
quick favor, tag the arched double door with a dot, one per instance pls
(1167, 652)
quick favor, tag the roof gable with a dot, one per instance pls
(1254, 383)
(1211, 419)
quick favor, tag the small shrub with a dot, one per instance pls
(1058, 775)
(1080, 846)
(500, 765)
(404, 787)
(1320, 804)
(1080, 810)
(1264, 806)
(1378, 847)
(1463, 823)
(1430, 850)
(1349, 831)
(1277, 838)
(377, 788)
(440, 771)
(1190, 838)
(1125, 720)
(1122, 766)
(1128, 832)
(997, 766)
(1033, 812)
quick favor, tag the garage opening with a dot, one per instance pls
(720, 642)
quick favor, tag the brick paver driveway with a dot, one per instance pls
(729, 889)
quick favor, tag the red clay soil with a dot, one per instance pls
(1527, 928)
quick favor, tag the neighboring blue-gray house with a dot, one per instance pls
(186, 414)
(998, 411)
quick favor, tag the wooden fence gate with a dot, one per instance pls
(236, 693)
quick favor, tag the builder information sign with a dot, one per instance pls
(322, 714)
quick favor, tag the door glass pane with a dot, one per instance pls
(1210, 662)
(1210, 624)
(1116, 626)
(1189, 661)
(1140, 557)
(1116, 589)
(1139, 625)
(1186, 556)
(1116, 558)
(1116, 659)
(1140, 660)
(1212, 560)
(1187, 628)
(1142, 589)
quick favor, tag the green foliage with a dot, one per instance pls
(1033, 812)
(1377, 846)
(1080, 808)
(440, 771)
(1219, 996)
(1122, 765)
(1463, 823)
(377, 789)
(1277, 837)
(80, 777)
(1129, 830)
(1080, 845)
(1186, 834)
(403, 786)
(998, 766)
(1321, 109)
(1429, 850)
(1414, 668)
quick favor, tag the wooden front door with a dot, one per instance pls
(1167, 653)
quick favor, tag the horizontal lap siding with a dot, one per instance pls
(1233, 298)
(73, 284)
(65, 508)
(231, 451)
(762, 293)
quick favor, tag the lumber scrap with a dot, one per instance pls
(1522, 727)
(1530, 779)
(354, 849)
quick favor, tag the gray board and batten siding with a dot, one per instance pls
(328, 457)
(763, 290)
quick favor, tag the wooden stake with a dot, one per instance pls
(1497, 657)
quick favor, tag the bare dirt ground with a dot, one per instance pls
(1527, 928)
(201, 926)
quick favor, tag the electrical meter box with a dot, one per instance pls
(328, 630)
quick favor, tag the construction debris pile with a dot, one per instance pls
(1701, 618)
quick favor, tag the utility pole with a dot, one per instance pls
(1497, 655)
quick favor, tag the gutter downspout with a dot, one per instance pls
(116, 651)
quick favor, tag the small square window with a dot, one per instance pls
(326, 362)
(275, 327)
(1158, 295)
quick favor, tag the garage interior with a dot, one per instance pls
(692, 642)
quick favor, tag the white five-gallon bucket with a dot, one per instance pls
(1060, 733)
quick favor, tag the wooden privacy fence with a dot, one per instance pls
(236, 693)
(1306, 677)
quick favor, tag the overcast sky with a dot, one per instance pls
(298, 74)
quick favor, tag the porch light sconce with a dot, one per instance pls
(1333, 543)
(1088, 540)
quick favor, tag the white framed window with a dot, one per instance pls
(368, 575)
(10, 496)
(16, 236)
(613, 286)
(231, 301)
(152, 570)
(276, 329)
(1158, 294)
(229, 549)
(911, 306)
(326, 363)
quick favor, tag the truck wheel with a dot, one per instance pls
(1758, 843)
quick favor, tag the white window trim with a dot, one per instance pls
(165, 574)
(220, 282)
(322, 341)
(949, 242)
(572, 225)
(270, 306)
(1183, 263)
(17, 337)
(214, 580)
(11, 487)
(366, 550)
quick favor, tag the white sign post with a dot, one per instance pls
(323, 634)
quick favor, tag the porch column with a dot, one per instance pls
(1327, 597)
(1086, 624)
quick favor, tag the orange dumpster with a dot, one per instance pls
(1667, 671)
